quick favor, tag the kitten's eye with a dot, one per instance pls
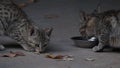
(37, 45)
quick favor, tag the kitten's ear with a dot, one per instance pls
(83, 16)
(98, 8)
(48, 31)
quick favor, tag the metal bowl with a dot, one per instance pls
(84, 43)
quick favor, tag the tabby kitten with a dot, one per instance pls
(103, 25)
(20, 5)
(15, 24)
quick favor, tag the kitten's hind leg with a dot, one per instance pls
(2, 48)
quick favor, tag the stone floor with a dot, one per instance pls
(66, 24)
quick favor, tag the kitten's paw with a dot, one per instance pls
(2, 48)
(30, 49)
(97, 49)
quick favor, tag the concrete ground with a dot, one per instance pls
(65, 22)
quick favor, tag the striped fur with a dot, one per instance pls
(105, 26)
(15, 24)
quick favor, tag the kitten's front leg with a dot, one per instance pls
(23, 43)
(1, 34)
(98, 48)
(103, 41)
(27, 47)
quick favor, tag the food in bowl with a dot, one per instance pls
(92, 39)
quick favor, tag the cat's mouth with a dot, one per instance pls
(38, 47)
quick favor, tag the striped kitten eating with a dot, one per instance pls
(15, 24)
